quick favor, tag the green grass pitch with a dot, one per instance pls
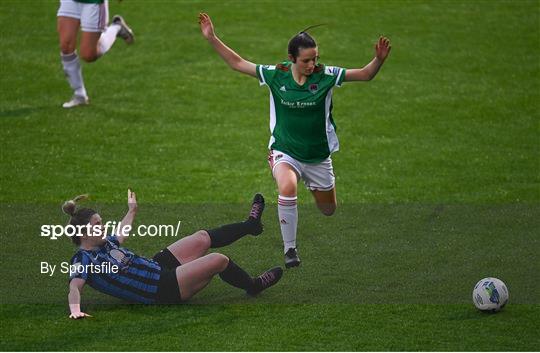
(438, 176)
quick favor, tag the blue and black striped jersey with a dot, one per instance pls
(136, 279)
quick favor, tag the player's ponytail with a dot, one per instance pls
(79, 216)
(302, 40)
(311, 27)
(70, 206)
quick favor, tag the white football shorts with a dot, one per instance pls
(316, 176)
(93, 17)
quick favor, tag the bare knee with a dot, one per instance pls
(287, 189)
(219, 261)
(67, 47)
(327, 209)
(203, 239)
(67, 33)
(286, 180)
(89, 55)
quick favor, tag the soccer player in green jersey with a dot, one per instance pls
(96, 39)
(303, 133)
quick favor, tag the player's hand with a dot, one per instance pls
(79, 315)
(207, 28)
(132, 200)
(382, 48)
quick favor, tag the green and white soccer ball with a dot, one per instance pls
(490, 294)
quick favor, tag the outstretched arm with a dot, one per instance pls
(382, 49)
(128, 218)
(235, 61)
(74, 299)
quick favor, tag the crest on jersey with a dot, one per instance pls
(313, 88)
(123, 260)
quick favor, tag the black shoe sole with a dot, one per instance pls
(129, 38)
(292, 264)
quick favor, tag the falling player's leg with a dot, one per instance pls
(197, 245)
(195, 275)
(229, 233)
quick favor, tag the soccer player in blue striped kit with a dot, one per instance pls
(173, 275)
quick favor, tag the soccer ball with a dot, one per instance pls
(490, 294)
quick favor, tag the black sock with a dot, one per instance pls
(237, 277)
(230, 233)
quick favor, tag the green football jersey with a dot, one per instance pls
(301, 120)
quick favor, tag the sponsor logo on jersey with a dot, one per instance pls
(283, 89)
(298, 104)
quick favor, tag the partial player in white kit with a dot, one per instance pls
(303, 132)
(91, 16)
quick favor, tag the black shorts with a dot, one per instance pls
(168, 289)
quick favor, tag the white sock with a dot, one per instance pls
(72, 69)
(107, 38)
(288, 220)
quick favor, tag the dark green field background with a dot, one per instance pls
(438, 176)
